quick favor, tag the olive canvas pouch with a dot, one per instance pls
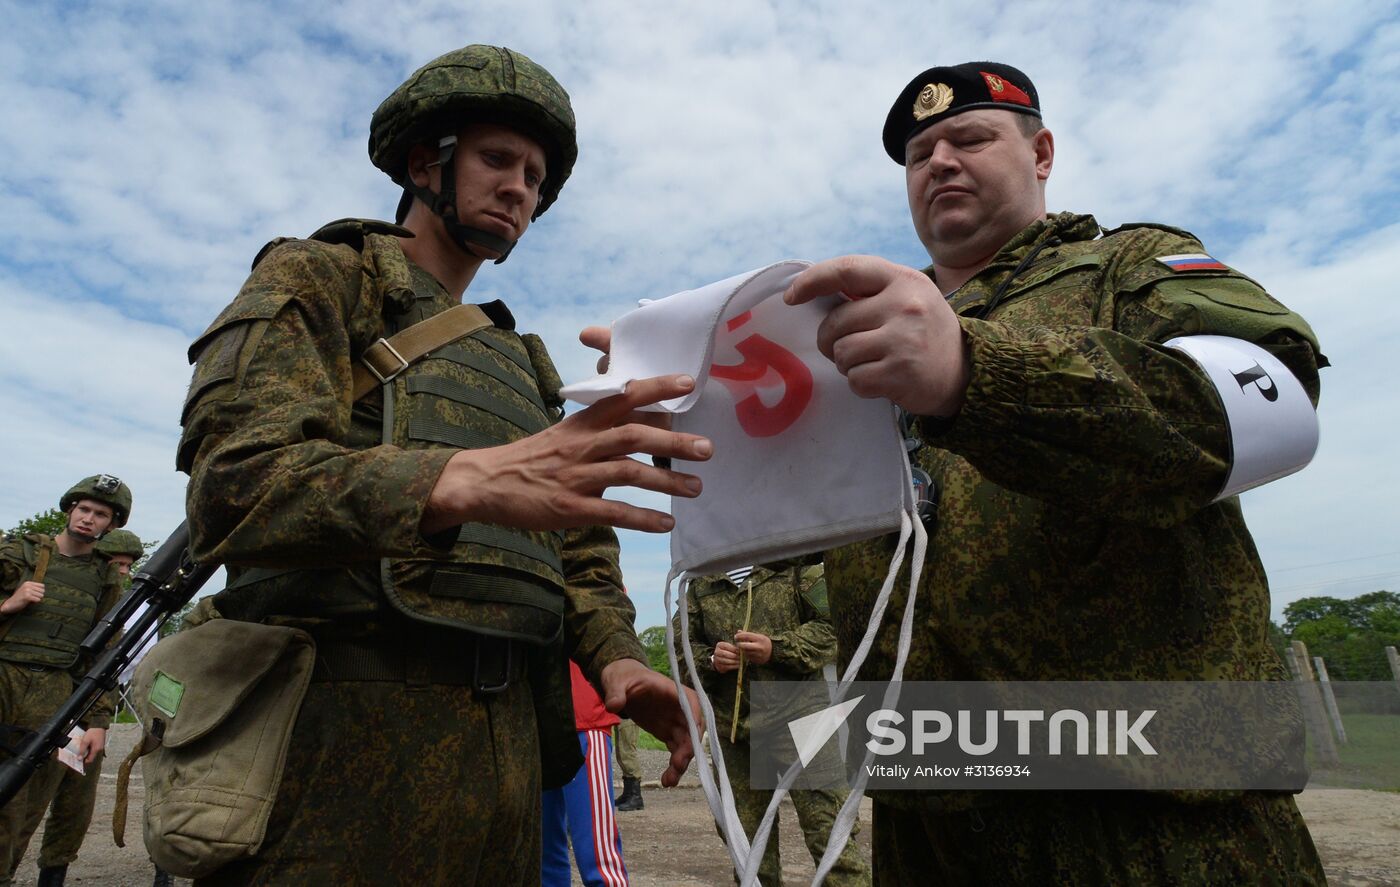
(218, 702)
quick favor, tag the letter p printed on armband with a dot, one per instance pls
(1273, 426)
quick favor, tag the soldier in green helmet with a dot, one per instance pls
(122, 548)
(70, 813)
(405, 490)
(55, 588)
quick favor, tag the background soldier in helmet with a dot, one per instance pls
(55, 589)
(432, 523)
(70, 813)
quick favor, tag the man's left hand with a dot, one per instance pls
(758, 648)
(92, 743)
(896, 337)
(649, 698)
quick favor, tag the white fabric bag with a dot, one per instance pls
(801, 464)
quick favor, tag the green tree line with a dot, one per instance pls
(1349, 634)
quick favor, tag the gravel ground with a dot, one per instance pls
(672, 843)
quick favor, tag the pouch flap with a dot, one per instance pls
(196, 678)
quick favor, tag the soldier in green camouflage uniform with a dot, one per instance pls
(1075, 532)
(42, 624)
(441, 538)
(70, 814)
(789, 638)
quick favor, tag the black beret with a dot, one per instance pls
(940, 93)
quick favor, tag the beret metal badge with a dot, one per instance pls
(935, 98)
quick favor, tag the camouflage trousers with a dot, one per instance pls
(390, 783)
(1090, 838)
(70, 814)
(625, 737)
(28, 698)
(816, 814)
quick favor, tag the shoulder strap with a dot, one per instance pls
(35, 550)
(41, 563)
(386, 358)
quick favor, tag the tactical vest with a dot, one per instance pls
(49, 632)
(490, 388)
(480, 391)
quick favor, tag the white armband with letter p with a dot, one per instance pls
(1273, 426)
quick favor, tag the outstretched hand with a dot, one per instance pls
(555, 479)
(649, 698)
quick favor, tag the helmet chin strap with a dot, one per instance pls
(444, 205)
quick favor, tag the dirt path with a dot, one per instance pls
(672, 843)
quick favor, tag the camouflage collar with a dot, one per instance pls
(1066, 227)
(977, 295)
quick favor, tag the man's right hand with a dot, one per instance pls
(555, 480)
(27, 593)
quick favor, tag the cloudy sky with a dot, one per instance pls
(148, 150)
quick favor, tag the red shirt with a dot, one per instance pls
(589, 713)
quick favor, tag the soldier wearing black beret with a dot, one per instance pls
(1084, 466)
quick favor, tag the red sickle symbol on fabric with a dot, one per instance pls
(761, 355)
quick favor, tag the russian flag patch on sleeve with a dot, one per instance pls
(1193, 262)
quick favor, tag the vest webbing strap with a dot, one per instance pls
(386, 358)
(41, 563)
(438, 431)
(496, 589)
(482, 400)
(511, 540)
(516, 356)
(459, 355)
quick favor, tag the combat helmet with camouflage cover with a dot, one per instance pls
(101, 488)
(483, 84)
(121, 542)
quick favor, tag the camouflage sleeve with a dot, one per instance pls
(273, 479)
(598, 616)
(11, 566)
(699, 645)
(812, 644)
(1105, 418)
(11, 571)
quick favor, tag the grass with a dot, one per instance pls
(1370, 758)
(646, 740)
